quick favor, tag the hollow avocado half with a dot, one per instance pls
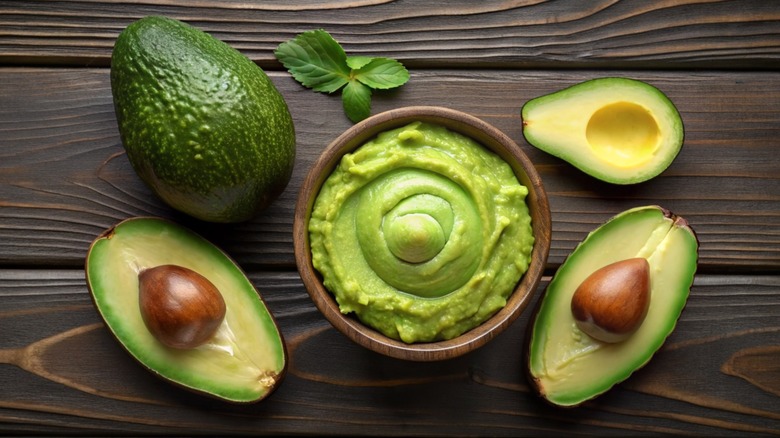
(618, 130)
(566, 366)
(245, 359)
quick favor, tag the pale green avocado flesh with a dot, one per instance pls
(246, 358)
(618, 130)
(568, 367)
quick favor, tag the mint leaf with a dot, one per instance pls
(315, 60)
(356, 62)
(382, 73)
(318, 61)
(356, 99)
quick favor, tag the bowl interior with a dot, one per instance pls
(489, 137)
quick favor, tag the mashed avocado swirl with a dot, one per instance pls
(422, 232)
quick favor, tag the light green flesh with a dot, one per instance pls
(246, 357)
(568, 365)
(618, 130)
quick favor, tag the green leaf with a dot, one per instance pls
(356, 99)
(318, 61)
(315, 60)
(356, 62)
(382, 73)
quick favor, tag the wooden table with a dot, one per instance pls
(64, 179)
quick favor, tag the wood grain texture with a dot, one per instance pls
(569, 33)
(704, 381)
(64, 177)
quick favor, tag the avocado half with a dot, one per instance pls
(618, 130)
(245, 359)
(566, 366)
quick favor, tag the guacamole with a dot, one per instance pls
(422, 232)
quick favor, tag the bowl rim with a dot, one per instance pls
(488, 136)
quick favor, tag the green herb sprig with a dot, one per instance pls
(318, 61)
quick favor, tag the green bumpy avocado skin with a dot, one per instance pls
(422, 233)
(202, 125)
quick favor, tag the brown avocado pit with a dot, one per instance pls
(180, 307)
(612, 302)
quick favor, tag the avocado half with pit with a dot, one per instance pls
(618, 130)
(644, 250)
(243, 357)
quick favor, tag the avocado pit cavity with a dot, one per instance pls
(623, 133)
(180, 307)
(612, 302)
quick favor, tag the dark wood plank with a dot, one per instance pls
(569, 33)
(64, 178)
(61, 371)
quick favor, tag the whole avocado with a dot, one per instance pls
(203, 125)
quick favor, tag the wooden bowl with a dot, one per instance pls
(483, 133)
